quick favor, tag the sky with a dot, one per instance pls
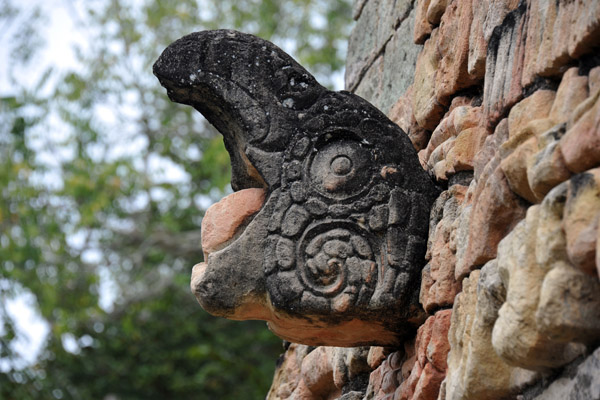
(60, 34)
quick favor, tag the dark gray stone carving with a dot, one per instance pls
(334, 256)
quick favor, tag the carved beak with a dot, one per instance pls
(252, 92)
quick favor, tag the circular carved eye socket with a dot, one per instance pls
(341, 169)
(341, 165)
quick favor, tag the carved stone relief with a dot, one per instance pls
(334, 255)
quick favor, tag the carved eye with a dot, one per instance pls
(341, 169)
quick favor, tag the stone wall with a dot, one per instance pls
(501, 98)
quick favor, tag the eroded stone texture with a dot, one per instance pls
(504, 65)
(581, 384)
(428, 369)
(334, 255)
(438, 284)
(516, 336)
(580, 146)
(475, 372)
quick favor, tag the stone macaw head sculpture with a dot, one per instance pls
(328, 223)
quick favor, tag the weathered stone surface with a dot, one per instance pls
(487, 14)
(384, 380)
(581, 384)
(569, 306)
(475, 372)
(423, 27)
(547, 168)
(496, 210)
(435, 11)
(504, 66)
(349, 365)
(581, 144)
(558, 32)
(423, 376)
(400, 55)
(453, 46)
(428, 110)
(316, 279)
(462, 155)
(516, 336)
(534, 107)
(375, 26)
(438, 284)
(581, 218)
(402, 114)
(376, 356)
(317, 372)
(287, 374)
(573, 90)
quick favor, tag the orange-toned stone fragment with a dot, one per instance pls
(222, 219)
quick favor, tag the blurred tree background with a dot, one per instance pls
(103, 185)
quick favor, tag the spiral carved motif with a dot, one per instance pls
(336, 261)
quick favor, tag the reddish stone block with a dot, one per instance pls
(453, 45)
(222, 219)
(438, 347)
(422, 26)
(428, 386)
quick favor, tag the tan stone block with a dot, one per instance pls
(551, 244)
(422, 26)
(536, 106)
(581, 219)
(496, 209)
(376, 356)
(462, 155)
(516, 337)
(487, 14)
(584, 24)
(477, 41)
(573, 89)
(580, 146)
(515, 169)
(540, 56)
(465, 117)
(475, 372)
(547, 167)
(444, 131)
(402, 114)
(435, 11)
(569, 307)
(427, 109)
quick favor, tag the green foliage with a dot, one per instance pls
(103, 185)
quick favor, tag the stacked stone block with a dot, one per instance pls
(501, 98)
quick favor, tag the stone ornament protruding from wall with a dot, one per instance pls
(326, 232)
